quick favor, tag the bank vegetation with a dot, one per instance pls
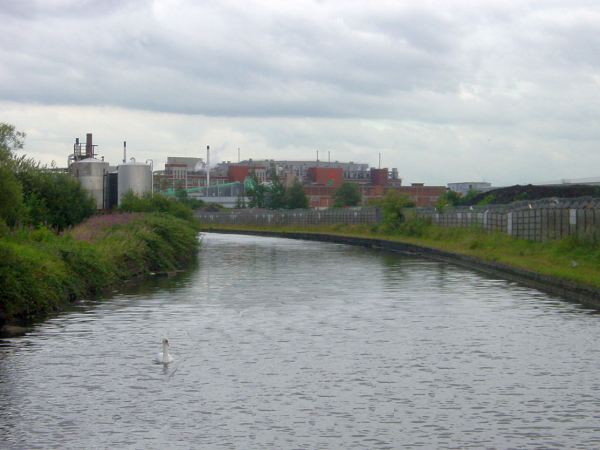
(54, 249)
(574, 259)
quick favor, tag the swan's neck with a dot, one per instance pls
(165, 354)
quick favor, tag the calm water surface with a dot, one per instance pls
(291, 344)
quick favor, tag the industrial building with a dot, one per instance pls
(107, 184)
(464, 187)
(224, 183)
(319, 179)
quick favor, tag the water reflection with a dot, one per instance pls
(290, 344)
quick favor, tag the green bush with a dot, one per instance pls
(346, 195)
(155, 203)
(41, 271)
(417, 227)
(392, 207)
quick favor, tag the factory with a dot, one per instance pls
(108, 184)
(224, 183)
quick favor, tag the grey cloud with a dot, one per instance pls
(298, 65)
(472, 77)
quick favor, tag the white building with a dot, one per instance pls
(466, 186)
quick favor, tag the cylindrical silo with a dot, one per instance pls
(90, 173)
(134, 177)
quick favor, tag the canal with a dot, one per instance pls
(291, 344)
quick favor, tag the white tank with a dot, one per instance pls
(90, 173)
(135, 177)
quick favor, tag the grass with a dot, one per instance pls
(552, 258)
(41, 271)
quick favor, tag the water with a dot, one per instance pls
(290, 344)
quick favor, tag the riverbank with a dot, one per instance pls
(570, 267)
(41, 271)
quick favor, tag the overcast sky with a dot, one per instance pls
(500, 91)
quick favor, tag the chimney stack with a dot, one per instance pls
(89, 147)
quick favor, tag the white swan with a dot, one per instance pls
(164, 357)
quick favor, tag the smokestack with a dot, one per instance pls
(317, 155)
(329, 157)
(207, 168)
(124, 152)
(89, 147)
(239, 155)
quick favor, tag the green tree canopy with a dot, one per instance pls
(275, 198)
(56, 200)
(295, 198)
(392, 205)
(346, 195)
(449, 198)
(36, 195)
(11, 192)
(257, 193)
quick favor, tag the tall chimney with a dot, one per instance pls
(124, 152)
(207, 168)
(89, 147)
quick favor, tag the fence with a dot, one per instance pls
(363, 215)
(536, 220)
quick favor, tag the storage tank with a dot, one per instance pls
(90, 173)
(135, 177)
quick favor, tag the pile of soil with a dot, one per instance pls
(530, 192)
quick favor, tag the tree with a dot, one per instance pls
(56, 200)
(276, 191)
(449, 198)
(11, 196)
(11, 192)
(240, 202)
(392, 205)
(295, 198)
(255, 192)
(33, 194)
(346, 195)
(11, 140)
(467, 199)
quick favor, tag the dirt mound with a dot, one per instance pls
(530, 192)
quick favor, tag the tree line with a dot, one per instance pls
(32, 194)
(275, 195)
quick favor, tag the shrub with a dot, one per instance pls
(416, 227)
(41, 270)
(392, 208)
(155, 203)
(346, 195)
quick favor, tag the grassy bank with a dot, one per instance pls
(41, 271)
(573, 259)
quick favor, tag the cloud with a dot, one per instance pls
(426, 83)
